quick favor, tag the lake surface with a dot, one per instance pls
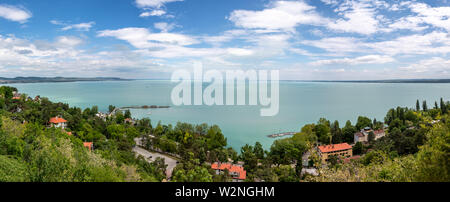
(300, 103)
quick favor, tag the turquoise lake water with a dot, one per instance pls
(300, 103)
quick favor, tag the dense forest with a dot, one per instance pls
(416, 147)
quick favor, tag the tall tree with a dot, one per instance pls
(111, 108)
(417, 105)
(424, 106)
(371, 137)
(443, 107)
(336, 133)
(258, 150)
(127, 114)
(348, 132)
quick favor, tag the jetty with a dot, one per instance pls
(281, 134)
(145, 107)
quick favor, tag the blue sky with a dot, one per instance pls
(304, 39)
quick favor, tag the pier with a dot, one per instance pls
(281, 134)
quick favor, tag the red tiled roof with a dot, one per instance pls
(378, 132)
(69, 133)
(57, 120)
(88, 145)
(231, 168)
(347, 160)
(334, 147)
(16, 98)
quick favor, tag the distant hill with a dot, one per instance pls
(387, 81)
(55, 79)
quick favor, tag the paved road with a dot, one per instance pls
(170, 162)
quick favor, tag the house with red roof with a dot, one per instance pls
(89, 145)
(16, 96)
(342, 150)
(363, 135)
(58, 122)
(353, 158)
(236, 172)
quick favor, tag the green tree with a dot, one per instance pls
(371, 137)
(249, 157)
(323, 133)
(443, 107)
(363, 122)
(258, 150)
(417, 105)
(348, 132)
(215, 138)
(433, 158)
(424, 106)
(127, 114)
(358, 148)
(336, 133)
(111, 108)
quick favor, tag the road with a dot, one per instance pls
(170, 162)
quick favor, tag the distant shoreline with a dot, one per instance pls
(56, 79)
(380, 81)
(79, 79)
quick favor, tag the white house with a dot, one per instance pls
(58, 122)
(363, 135)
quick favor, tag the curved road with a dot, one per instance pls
(151, 156)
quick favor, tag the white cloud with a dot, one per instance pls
(239, 51)
(409, 23)
(14, 13)
(80, 27)
(153, 3)
(20, 57)
(417, 44)
(86, 26)
(163, 26)
(358, 17)
(436, 16)
(156, 7)
(69, 41)
(142, 38)
(339, 45)
(368, 59)
(435, 64)
(278, 16)
(158, 12)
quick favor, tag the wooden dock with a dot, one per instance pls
(281, 134)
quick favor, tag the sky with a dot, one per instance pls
(149, 39)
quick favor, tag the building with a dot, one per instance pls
(102, 115)
(363, 135)
(353, 158)
(37, 98)
(58, 122)
(305, 159)
(343, 150)
(16, 95)
(130, 121)
(237, 172)
(89, 145)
